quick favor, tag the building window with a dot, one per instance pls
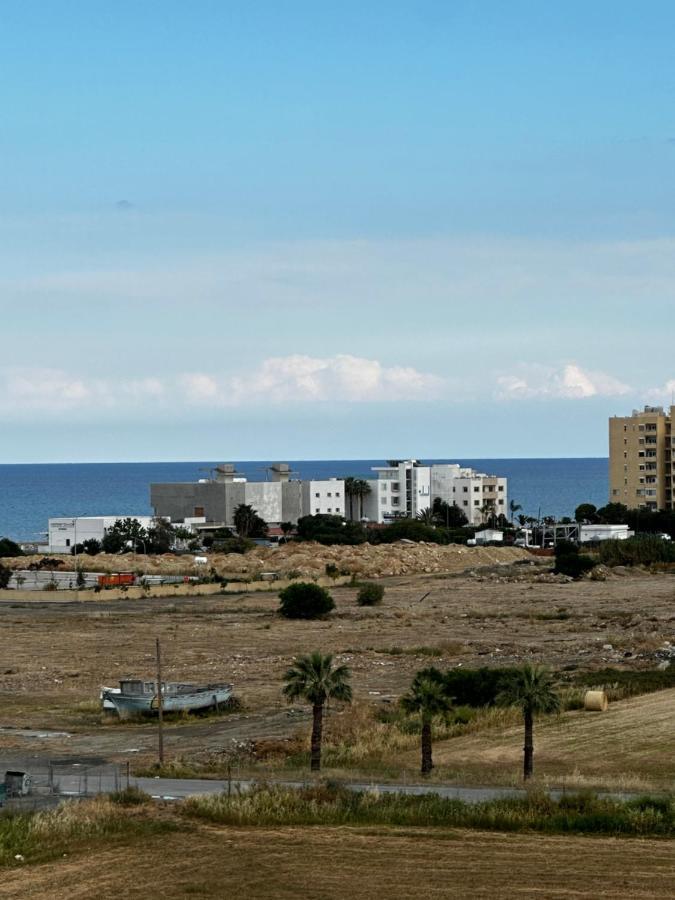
(329, 494)
(317, 494)
(337, 493)
(501, 502)
(198, 512)
(476, 502)
(466, 490)
(476, 490)
(501, 487)
(466, 503)
(317, 511)
(68, 545)
(329, 509)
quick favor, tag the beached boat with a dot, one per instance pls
(137, 696)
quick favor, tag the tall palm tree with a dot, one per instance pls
(428, 698)
(427, 516)
(531, 689)
(362, 489)
(314, 678)
(350, 493)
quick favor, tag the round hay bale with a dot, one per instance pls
(595, 701)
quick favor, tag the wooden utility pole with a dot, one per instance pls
(160, 706)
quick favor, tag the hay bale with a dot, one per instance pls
(595, 701)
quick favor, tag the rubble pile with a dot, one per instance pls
(305, 560)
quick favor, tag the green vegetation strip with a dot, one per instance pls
(33, 837)
(328, 805)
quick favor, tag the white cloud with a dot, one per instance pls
(275, 381)
(662, 395)
(569, 382)
(298, 378)
(45, 389)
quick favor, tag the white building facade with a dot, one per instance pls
(323, 498)
(406, 488)
(64, 533)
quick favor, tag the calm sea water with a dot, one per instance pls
(30, 494)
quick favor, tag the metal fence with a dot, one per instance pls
(54, 780)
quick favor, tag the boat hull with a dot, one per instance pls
(148, 703)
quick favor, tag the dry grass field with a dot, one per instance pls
(57, 655)
(332, 863)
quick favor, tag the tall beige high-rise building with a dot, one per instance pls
(640, 459)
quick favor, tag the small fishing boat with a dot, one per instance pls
(137, 696)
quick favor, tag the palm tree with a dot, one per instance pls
(531, 689)
(513, 508)
(350, 493)
(427, 516)
(362, 489)
(428, 698)
(314, 678)
(487, 512)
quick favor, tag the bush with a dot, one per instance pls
(9, 548)
(235, 545)
(410, 530)
(330, 530)
(5, 575)
(475, 687)
(130, 796)
(643, 550)
(574, 566)
(370, 594)
(304, 600)
(568, 560)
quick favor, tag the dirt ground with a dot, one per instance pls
(57, 655)
(333, 863)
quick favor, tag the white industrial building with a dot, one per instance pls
(280, 498)
(65, 533)
(405, 488)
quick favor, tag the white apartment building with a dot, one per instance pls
(64, 533)
(323, 497)
(405, 488)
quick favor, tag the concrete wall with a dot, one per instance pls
(168, 591)
(291, 493)
(265, 498)
(178, 501)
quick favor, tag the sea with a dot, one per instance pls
(31, 494)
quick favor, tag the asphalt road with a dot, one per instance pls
(180, 788)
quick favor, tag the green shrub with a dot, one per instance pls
(130, 796)
(5, 575)
(370, 594)
(476, 687)
(304, 600)
(574, 565)
(332, 570)
(325, 804)
(235, 545)
(640, 550)
(10, 548)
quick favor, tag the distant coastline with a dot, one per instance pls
(32, 492)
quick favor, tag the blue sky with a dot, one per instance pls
(249, 230)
